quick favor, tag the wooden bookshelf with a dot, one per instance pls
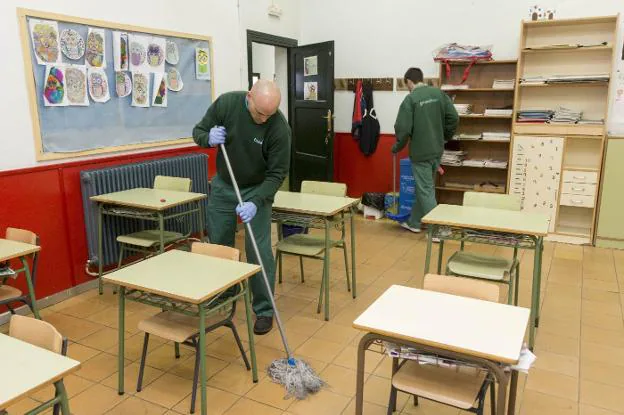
(573, 214)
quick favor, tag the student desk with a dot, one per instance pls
(187, 283)
(13, 249)
(145, 204)
(312, 210)
(27, 368)
(481, 332)
(494, 227)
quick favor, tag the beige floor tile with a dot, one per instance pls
(85, 308)
(225, 348)
(611, 309)
(73, 328)
(133, 346)
(348, 358)
(604, 321)
(602, 373)
(602, 395)
(603, 336)
(336, 333)
(274, 340)
(22, 406)
(426, 407)
(131, 376)
(565, 328)
(319, 349)
(235, 379)
(377, 391)
(340, 379)
(600, 295)
(565, 365)
(163, 356)
(269, 393)
(553, 383)
(611, 286)
(81, 353)
(96, 400)
(218, 402)
(303, 325)
(73, 384)
(324, 402)
(166, 391)
(135, 406)
(99, 367)
(592, 410)
(536, 403)
(246, 406)
(102, 340)
(602, 354)
(186, 367)
(557, 344)
(367, 409)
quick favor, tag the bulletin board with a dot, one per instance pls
(65, 128)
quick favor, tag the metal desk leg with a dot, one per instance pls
(429, 242)
(120, 353)
(100, 249)
(202, 359)
(353, 279)
(326, 268)
(161, 229)
(202, 234)
(31, 288)
(359, 382)
(440, 255)
(537, 269)
(539, 285)
(250, 333)
(513, 386)
(61, 392)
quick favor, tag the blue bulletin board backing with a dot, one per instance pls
(71, 131)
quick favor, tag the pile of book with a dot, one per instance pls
(496, 164)
(453, 158)
(496, 135)
(503, 112)
(533, 80)
(565, 116)
(535, 116)
(463, 109)
(591, 122)
(451, 87)
(564, 79)
(465, 136)
(503, 83)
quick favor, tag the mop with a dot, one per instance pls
(297, 376)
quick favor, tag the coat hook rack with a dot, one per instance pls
(379, 84)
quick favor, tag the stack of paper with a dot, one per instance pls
(496, 136)
(499, 111)
(565, 116)
(496, 164)
(463, 109)
(591, 122)
(451, 87)
(452, 158)
(578, 78)
(534, 115)
(473, 163)
(533, 80)
(465, 136)
(504, 83)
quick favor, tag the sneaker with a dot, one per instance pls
(263, 325)
(409, 228)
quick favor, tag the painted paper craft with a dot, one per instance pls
(98, 85)
(76, 85)
(138, 53)
(310, 91)
(54, 94)
(120, 51)
(174, 80)
(95, 55)
(156, 54)
(172, 54)
(72, 44)
(159, 94)
(45, 41)
(123, 84)
(140, 89)
(202, 63)
(310, 66)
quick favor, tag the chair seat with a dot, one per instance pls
(479, 265)
(173, 326)
(301, 244)
(7, 292)
(458, 388)
(148, 238)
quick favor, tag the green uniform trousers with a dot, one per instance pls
(222, 228)
(424, 174)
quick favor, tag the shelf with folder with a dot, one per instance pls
(566, 84)
(462, 189)
(558, 129)
(481, 141)
(504, 117)
(478, 89)
(473, 167)
(570, 48)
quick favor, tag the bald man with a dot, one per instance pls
(257, 139)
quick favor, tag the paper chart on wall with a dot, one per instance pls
(95, 55)
(54, 91)
(202, 64)
(156, 54)
(120, 51)
(138, 53)
(72, 44)
(159, 92)
(172, 53)
(98, 85)
(44, 36)
(140, 89)
(76, 85)
(123, 84)
(174, 80)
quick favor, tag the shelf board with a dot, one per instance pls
(582, 231)
(555, 129)
(572, 22)
(479, 141)
(479, 90)
(475, 167)
(484, 116)
(569, 49)
(566, 84)
(580, 168)
(460, 189)
(480, 62)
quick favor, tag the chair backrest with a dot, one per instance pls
(464, 287)
(492, 200)
(178, 184)
(22, 235)
(324, 188)
(219, 251)
(36, 332)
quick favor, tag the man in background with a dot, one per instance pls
(426, 119)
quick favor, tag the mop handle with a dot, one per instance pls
(257, 251)
(395, 201)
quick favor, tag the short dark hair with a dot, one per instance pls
(413, 74)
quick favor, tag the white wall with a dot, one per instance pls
(281, 77)
(217, 18)
(263, 60)
(384, 38)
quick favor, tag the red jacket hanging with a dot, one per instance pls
(359, 106)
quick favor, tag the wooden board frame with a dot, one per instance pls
(23, 14)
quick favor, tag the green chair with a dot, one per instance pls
(148, 241)
(309, 246)
(488, 267)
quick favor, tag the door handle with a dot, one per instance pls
(329, 117)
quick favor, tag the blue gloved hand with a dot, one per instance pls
(216, 136)
(246, 211)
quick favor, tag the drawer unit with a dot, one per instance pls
(578, 189)
(576, 200)
(577, 176)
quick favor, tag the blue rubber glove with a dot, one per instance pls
(246, 211)
(216, 136)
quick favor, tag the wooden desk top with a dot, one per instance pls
(458, 324)
(27, 368)
(149, 199)
(500, 220)
(311, 204)
(13, 249)
(184, 276)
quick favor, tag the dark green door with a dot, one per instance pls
(312, 108)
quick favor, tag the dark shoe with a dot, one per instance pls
(263, 325)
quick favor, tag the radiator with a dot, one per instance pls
(128, 176)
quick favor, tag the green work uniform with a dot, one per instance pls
(260, 158)
(426, 118)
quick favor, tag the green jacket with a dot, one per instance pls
(428, 117)
(259, 153)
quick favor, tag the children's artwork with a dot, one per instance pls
(54, 90)
(159, 94)
(310, 66)
(173, 54)
(98, 85)
(95, 55)
(202, 63)
(310, 91)
(120, 51)
(76, 85)
(140, 89)
(156, 54)
(123, 84)
(45, 41)
(539, 13)
(174, 80)
(138, 52)
(72, 44)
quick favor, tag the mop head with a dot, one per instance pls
(297, 377)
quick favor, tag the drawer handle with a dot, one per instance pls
(577, 202)
(578, 189)
(578, 177)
